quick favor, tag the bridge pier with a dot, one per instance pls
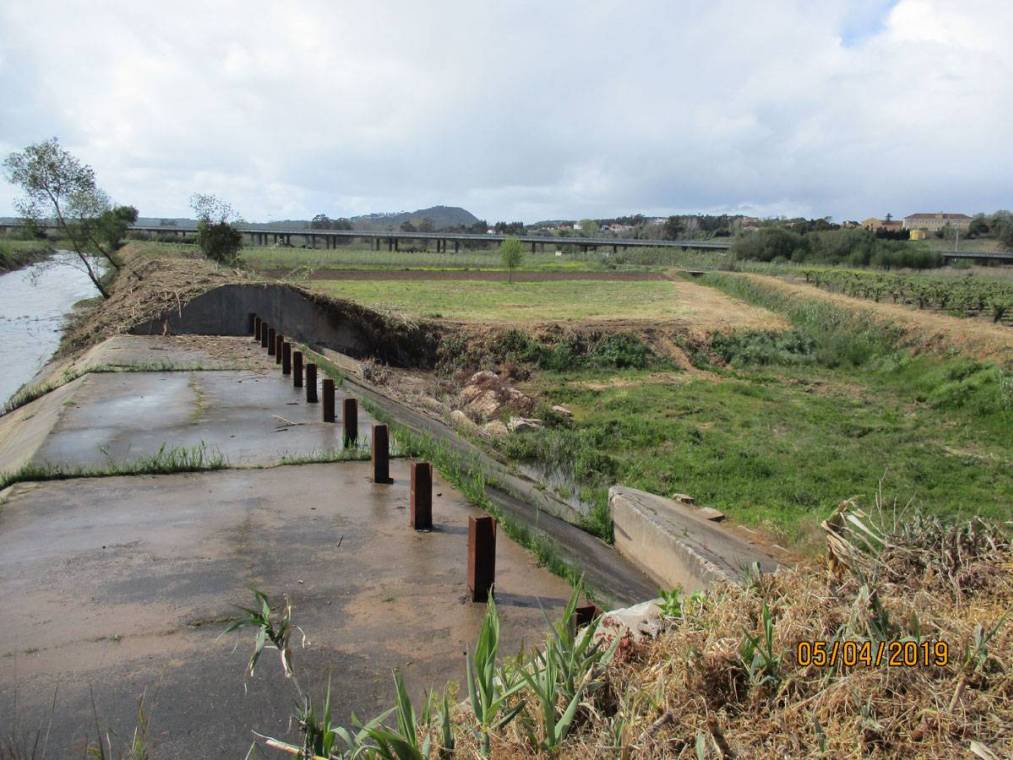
(457, 246)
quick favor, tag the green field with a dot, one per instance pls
(569, 260)
(519, 301)
(778, 447)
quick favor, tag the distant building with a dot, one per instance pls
(936, 222)
(883, 225)
(918, 234)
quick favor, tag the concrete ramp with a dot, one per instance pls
(676, 545)
(305, 316)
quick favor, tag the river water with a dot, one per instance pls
(34, 302)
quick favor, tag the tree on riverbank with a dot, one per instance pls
(217, 237)
(56, 185)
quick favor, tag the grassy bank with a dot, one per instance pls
(15, 254)
(784, 426)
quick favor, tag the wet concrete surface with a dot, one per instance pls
(121, 586)
(125, 416)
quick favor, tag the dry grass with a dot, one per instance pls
(922, 330)
(689, 693)
(146, 287)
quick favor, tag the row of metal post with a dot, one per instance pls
(481, 530)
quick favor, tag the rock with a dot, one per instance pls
(684, 498)
(485, 377)
(523, 424)
(642, 621)
(495, 429)
(709, 513)
(483, 406)
(461, 420)
(562, 411)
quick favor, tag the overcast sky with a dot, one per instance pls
(521, 110)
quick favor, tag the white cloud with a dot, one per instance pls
(521, 109)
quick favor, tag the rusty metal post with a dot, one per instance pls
(350, 420)
(279, 341)
(297, 369)
(311, 383)
(328, 391)
(381, 454)
(286, 358)
(420, 513)
(481, 557)
(252, 323)
(258, 324)
(265, 331)
(270, 341)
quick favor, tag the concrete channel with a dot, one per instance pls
(117, 586)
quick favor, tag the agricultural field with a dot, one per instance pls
(301, 260)
(672, 301)
(972, 295)
(775, 424)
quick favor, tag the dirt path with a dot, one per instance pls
(462, 274)
(923, 330)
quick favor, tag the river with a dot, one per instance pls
(34, 302)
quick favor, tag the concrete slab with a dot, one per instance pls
(678, 544)
(177, 352)
(122, 586)
(122, 417)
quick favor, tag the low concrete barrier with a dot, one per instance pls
(677, 547)
(304, 317)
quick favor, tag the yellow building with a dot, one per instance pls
(918, 234)
(936, 222)
(875, 225)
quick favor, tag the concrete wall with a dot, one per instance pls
(307, 317)
(676, 547)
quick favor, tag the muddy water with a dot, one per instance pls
(33, 304)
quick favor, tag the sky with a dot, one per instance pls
(521, 110)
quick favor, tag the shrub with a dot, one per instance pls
(220, 242)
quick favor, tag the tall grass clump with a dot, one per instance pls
(841, 336)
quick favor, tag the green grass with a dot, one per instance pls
(365, 258)
(516, 302)
(15, 254)
(165, 461)
(800, 422)
(780, 447)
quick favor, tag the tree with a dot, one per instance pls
(978, 226)
(588, 227)
(426, 225)
(55, 183)
(1002, 227)
(511, 252)
(113, 224)
(217, 237)
(674, 227)
(407, 226)
(320, 222)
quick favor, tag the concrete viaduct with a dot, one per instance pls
(393, 240)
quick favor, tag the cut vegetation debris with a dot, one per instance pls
(731, 672)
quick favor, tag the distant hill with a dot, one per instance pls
(442, 218)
